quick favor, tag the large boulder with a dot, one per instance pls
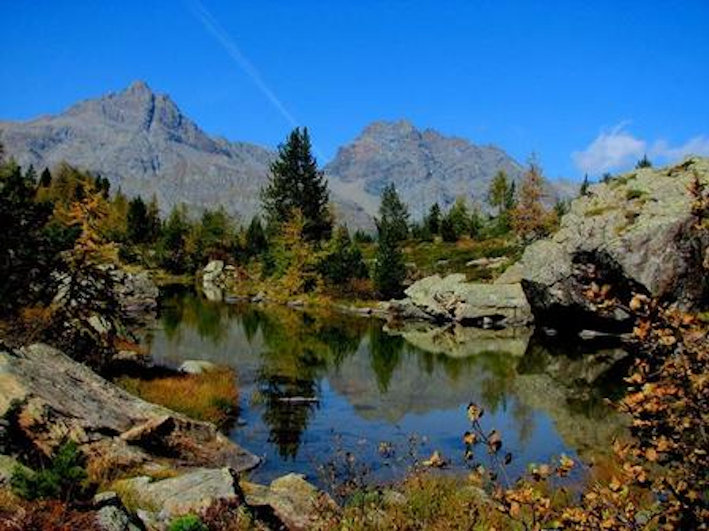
(635, 233)
(213, 280)
(294, 501)
(185, 494)
(49, 397)
(451, 298)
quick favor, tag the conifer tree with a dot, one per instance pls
(530, 219)
(137, 221)
(390, 270)
(584, 186)
(498, 194)
(296, 183)
(434, 219)
(45, 179)
(256, 242)
(393, 214)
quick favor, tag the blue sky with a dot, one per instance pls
(587, 86)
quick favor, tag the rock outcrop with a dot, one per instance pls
(635, 233)
(137, 293)
(289, 502)
(188, 493)
(293, 500)
(453, 299)
(48, 397)
(213, 280)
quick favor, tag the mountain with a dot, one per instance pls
(145, 145)
(425, 166)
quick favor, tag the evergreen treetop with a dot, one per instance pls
(296, 183)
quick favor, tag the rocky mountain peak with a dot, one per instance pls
(425, 166)
(384, 128)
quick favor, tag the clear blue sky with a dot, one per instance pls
(587, 85)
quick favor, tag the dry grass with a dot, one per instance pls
(423, 502)
(211, 396)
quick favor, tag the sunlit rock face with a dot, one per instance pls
(635, 233)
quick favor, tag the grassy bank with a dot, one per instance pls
(211, 396)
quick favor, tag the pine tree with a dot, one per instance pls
(172, 247)
(434, 219)
(137, 221)
(584, 186)
(390, 270)
(447, 231)
(498, 194)
(460, 217)
(45, 179)
(152, 216)
(296, 183)
(343, 259)
(256, 242)
(393, 214)
(643, 163)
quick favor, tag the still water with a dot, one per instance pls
(320, 388)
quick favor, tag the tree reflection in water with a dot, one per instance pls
(296, 366)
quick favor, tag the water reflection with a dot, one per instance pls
(308, 378)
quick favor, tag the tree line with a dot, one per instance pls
(297, 243)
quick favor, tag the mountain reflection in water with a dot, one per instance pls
(315, 383)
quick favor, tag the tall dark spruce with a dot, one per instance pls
(296, 183)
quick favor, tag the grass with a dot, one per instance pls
(211, 396)
(423, 501)
(444, 258)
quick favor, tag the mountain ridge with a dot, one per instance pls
(143, 143)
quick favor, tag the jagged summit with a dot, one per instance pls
(425, 165)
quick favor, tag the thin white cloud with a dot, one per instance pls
(699, 145)
(617, 149)
(610, 150)
(217, 31)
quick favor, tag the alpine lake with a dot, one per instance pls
(324, 392)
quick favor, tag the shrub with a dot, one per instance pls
(634, 193)
(64, 478)
(190, 522)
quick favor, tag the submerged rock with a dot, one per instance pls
(635, 233)
(451, 298)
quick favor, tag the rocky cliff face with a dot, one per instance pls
(636, 233)
(424, 165)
